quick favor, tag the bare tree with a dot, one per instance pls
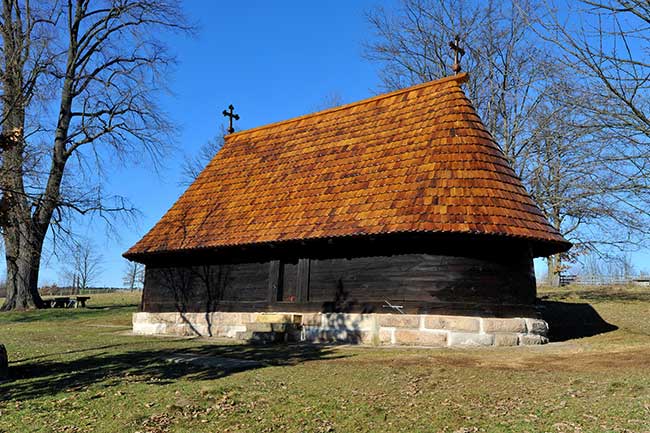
(79, 84)
(509, 69)
(84, 265)
(193, 165)
(606, 269)
(590, 183)
(133, 275)
(609, 45)
(330, 100)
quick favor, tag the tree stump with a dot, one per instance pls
(4, 363)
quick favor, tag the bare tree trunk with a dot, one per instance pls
(23, 266)
(22, 242)
(553, 274)
(104, 61)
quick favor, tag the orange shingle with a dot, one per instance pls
(418, 159)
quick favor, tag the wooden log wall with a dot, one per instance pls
(421, 282)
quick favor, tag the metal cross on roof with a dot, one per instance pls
(232, 116)
(459, 52)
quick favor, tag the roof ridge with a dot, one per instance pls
(460, 78)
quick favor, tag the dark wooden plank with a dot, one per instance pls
(458, 308)
(419, 277)
(207, 285)
(345, 277)
(274, 281)
(302, 283)
(288, 289)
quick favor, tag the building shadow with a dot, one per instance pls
(40, 378)
(62, 314)
(567, 320)
(342, 325)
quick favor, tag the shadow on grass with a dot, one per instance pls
(69, 352)
(161, 366)
(567, 320)
(58, 314)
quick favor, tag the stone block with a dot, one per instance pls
(399, 320)
(269, 327)
(273, 318)
(4, 363)
(506, 339)
(504, 325)
(200, 319)
(200, 330)
(348, 321)
(159, 318)
(368, 337)
(140, 318)
(531, 339)
(246, 318)
(537, 326)
(308, 333)
(230, 318)
(259, 327)
(453, 323)
(191, 318)
(228, 331)
(282, 327)
(470, 339)
(182, 330)
(351, 336)
(412, 337)
(324, 336)
(149, 328)
(311, 319)
(386, 335)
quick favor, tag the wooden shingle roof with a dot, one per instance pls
(415, 160)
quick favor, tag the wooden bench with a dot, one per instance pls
(60, 302)
(565, 280)
(67, 302)
(81, 300)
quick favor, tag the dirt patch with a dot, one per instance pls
(556, 357)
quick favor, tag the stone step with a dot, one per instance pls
(268, 327)
(261, 337)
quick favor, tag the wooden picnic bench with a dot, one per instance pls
(67, 302)
(81, 300)
(565, 280)
(60, 302)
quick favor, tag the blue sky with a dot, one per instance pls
(273, 61)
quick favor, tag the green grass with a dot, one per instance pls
(80, 371)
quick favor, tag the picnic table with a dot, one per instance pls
(67, 302)
(81, 300)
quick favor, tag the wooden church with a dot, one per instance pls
(392, 220)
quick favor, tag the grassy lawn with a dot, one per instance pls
(80, 371)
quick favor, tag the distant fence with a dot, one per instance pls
(603, 280)
(63, 291)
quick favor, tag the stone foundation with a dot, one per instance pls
(368, 329)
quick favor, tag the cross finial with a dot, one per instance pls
(232, 116)
(459, 52)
